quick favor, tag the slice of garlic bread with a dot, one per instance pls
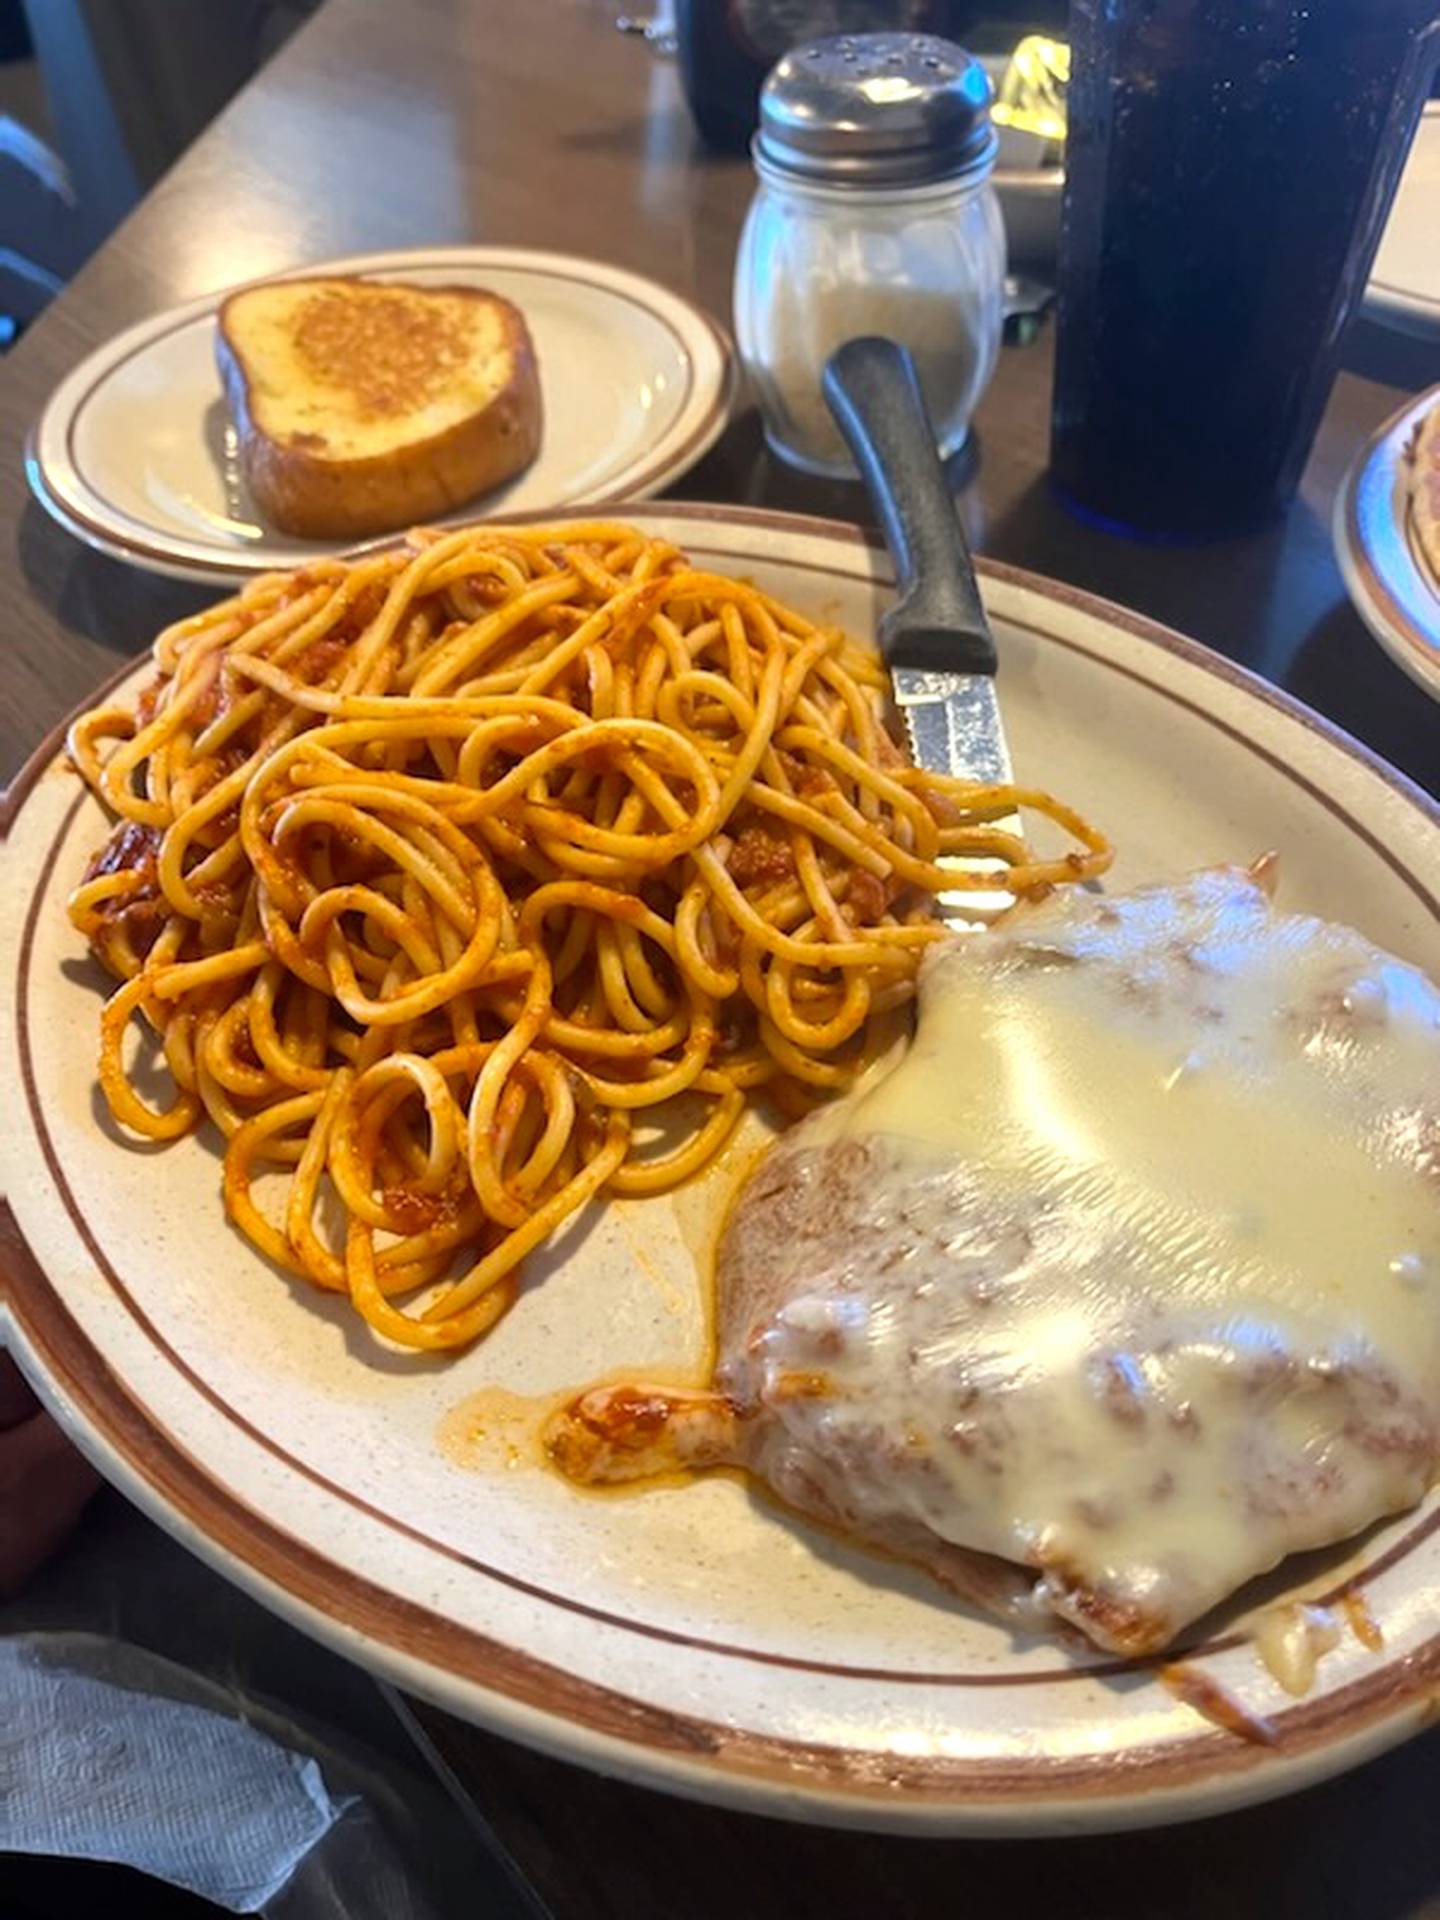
(364, 406)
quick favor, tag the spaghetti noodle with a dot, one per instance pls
(439, 875)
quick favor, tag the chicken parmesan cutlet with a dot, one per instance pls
(1120, 1286)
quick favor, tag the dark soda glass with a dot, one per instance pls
(1229, 166)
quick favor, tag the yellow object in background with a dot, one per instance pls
(1032, 93)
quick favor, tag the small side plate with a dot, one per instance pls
(135, 453)
(1392, 585)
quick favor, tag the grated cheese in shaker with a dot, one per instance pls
(874, 215)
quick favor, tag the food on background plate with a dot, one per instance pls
(1424, 466)
(366, 406)
(439, 875)
(1122, 1285)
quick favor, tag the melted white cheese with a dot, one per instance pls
(1169, 1168)
(1291, 1639)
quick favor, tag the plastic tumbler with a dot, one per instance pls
(1229, 167)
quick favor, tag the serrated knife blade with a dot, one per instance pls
(953, 725)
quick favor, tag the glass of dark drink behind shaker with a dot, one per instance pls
(1229, 166)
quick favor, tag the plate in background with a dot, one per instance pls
(690, 1637)
(135, 453)
(1394, 589)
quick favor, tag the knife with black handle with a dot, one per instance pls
(935, 639)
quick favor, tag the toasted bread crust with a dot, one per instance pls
(1424, 483)
(304, 493)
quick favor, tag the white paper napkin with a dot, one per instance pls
(101, 1765)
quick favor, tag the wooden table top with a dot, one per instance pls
(535, 122)
(440, 120)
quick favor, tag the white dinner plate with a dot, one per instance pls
(1404, 289)
(135, 452)
(1393, 586)
(689, 1637)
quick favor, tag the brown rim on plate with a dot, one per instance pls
(344, 1599)
(1425, 646)
(1075, 1671)
(108, 538)
(178, 1484)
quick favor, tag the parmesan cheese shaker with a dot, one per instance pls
(874, 214)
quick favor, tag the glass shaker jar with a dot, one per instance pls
(874, 215)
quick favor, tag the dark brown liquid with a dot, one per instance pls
(1229, 167)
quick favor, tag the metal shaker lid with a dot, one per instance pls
(877, 109)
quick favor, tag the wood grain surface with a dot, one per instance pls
(408, 122)
(534, 121)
